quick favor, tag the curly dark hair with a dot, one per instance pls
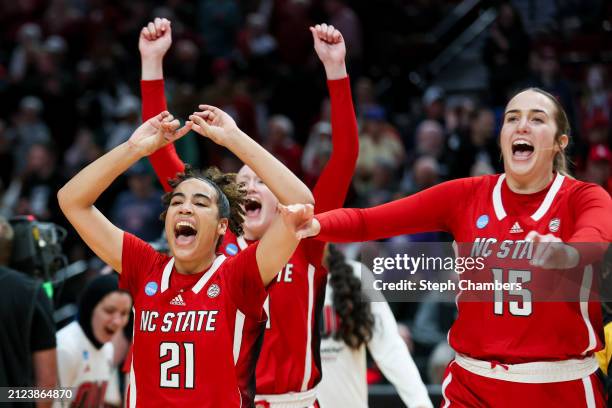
(356, 317)
(230, 194)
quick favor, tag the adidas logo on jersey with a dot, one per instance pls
(178, 301)
(516, 228)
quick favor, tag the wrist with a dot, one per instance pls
(132, 151)
(152, 68)
(233, 137)
(335, 71)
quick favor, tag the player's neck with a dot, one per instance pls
(196, 266)
(529, 184)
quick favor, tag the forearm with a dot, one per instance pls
(285, 185)
(165, 161)
(429, 210)
(274, 249)
(335, 180)
(83, 190)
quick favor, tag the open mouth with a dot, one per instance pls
(252, 207)
(109, 332)
(184, 232)
(522, 149)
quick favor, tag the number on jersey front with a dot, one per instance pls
(170, 376)
(516, 308)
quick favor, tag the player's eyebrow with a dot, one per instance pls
(202, 195)
(530, 111)
(181, 195)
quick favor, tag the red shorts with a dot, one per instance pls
(462, 388)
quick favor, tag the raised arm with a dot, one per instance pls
(78, 196)
(154, 41)
(218, 126)
(335, 179)
(433, 209)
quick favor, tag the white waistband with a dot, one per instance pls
(303, 399)
(538, 372)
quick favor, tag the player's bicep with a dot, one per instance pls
(101, 235)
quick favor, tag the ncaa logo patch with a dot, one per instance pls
(213, 290)
(231, 249)
(482, 221)
(151, 288)
(554, 225)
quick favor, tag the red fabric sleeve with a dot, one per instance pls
(137, 261)
(592, 207)
(165, 161)
(333, 184)
(242, 275)
(429, 210)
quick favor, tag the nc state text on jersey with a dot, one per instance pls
(188, 321)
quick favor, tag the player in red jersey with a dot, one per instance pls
(185, 306)
(518, 352)
(288, 367)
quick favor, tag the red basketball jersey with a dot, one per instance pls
(289, 359)
(187, 334)
(516, 326)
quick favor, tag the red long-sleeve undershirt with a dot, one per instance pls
(436, 209)
(165, 161)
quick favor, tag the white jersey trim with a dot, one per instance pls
(588, 392)
(498, 205)
(497, 201)
(550, 196)
(208, 274)
(585, 290)
(445, 385)
(538, 372)
(165, 280)
(242, 244)
(132, 390)
(308, 358)
(289, 400)
(238, 327)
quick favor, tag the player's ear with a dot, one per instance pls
(222, 226)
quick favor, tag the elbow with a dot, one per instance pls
(63, 198)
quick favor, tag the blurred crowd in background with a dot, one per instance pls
(69, 91)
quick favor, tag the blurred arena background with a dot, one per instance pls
(429, 80)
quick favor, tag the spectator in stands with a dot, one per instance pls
(478, 144)
(316, 152)
(506, 53)
(27, 332)
(137, 210)
(379, 144)
(28, 129)
(599, 167)
(281, 143)
(40, 181)
(127, 114)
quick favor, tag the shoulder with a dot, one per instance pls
(68, 337)
(579, 191)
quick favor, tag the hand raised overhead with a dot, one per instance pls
(214, 124)
(156, 133)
